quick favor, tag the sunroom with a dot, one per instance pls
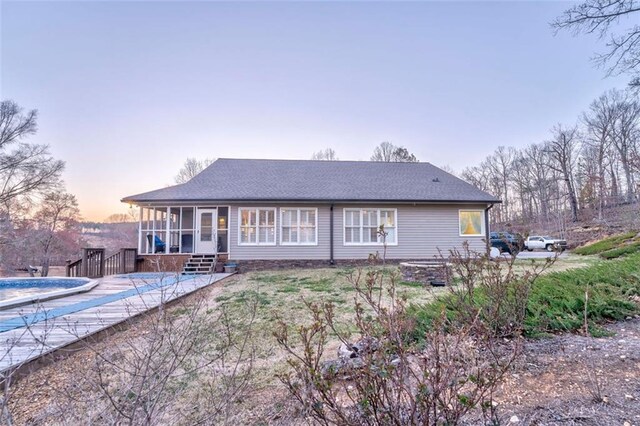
(183, 230)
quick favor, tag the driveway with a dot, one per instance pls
(539, 254)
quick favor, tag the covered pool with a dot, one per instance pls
(16, 291)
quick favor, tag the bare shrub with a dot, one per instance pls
(17, 347)
(393, 380)
(496, 292)
(188, 364)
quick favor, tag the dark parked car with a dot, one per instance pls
(507, 242)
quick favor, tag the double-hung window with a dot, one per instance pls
(298, 226)
(257, 226)
(363, 226)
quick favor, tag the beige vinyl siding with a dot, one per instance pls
(279, 251)
(421, 230)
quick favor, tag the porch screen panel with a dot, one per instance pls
(187, 229)
(223, 229)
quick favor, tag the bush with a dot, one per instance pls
(605, 244)
(556, 301)
(494, 291)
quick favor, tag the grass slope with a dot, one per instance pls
(557, 300)
(615, 246)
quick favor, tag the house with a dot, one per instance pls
(299, 212)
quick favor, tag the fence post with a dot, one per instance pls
(122, 268)
(67, 268)
(135, 260)
(101, 265)
(85, 262)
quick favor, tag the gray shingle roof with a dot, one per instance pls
(305, 180)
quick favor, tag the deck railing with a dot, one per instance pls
(121, 262)
(74, 268)
(94, 264)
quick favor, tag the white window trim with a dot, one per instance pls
(361, 226)
(297, 210)
(275, 226)
(482, 223)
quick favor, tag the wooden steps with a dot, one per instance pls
(199, 264)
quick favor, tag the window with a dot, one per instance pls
(361, 226)
(257, 226)
(471, 223)
(298, 226)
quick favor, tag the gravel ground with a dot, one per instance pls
(577, 380)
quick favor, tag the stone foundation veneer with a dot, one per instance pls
(426, 272)
(438, 273)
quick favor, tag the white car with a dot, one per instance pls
(545, 243)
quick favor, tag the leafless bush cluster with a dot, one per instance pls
(187, 366)
(497, 292)
(392, 379)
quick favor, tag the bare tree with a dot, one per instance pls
(601, 17)
(476, 176)
(599, 121)
(327, 154)
(25, 169)
(447, 168)
(563, 149)
(389, 153)
(191, 167)
(56, 227)
(383, 152)
(500, 165)
(625, 138)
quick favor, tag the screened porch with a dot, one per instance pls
(183, 230)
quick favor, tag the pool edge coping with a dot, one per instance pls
(37, 298)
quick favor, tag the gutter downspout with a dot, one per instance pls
(331, 261)
(486, 228)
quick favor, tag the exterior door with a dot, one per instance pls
(206, 231)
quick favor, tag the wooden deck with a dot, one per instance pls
(61, 322)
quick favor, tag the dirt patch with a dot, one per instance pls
(577, 380)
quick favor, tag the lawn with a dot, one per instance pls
(281, 295)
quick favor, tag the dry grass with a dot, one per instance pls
(280, 294)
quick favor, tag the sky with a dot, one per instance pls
(126, 91)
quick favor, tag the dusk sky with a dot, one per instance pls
(126, 91)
